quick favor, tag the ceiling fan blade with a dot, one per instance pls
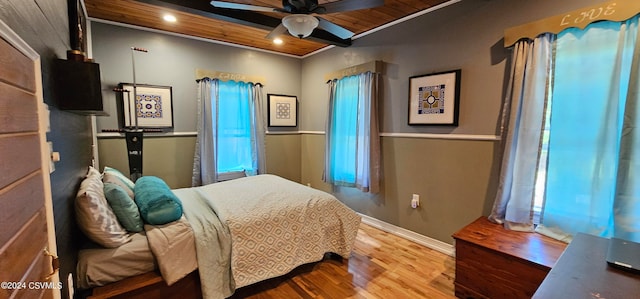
(334, 29)
(280, 30)
(348, 5)
(222, 4)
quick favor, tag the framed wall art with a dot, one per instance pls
(434, 99)
(282, 110)
(151, 108)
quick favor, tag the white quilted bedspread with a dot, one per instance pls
(277, 225)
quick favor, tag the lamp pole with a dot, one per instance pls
(134, 137)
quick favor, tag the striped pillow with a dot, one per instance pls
(94, 215)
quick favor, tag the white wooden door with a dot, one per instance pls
(27, 235)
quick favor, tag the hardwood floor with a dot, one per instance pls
(381, 266)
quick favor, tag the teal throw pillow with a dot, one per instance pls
(124, 207)
(156, 202)
(112, 175)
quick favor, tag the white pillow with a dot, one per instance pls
(94, 215)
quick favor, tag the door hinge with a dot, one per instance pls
(55, 264)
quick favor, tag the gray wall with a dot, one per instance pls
(466, 35)
(457, 179)
(172, 61)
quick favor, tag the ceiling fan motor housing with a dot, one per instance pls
(300, 25)
(300, 6)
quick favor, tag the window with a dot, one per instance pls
(352, 142)
(230, 141)
(344, 134)
(541, 175)
(234, 128)
(590, 150)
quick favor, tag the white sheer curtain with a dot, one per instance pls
(204, 160)
(352, 146)
(244, 104)
(591, 183)
(259, 126)
(522, 124)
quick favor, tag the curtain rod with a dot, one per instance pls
(613, 10)
(226, 76)
(207, 78)
(329, 81)
(374, 66)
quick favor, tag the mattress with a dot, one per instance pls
(98, 266)
(168, 248)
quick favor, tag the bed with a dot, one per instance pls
(242, 231)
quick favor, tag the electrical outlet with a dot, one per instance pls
(415, 201)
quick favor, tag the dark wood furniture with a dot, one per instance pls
(493, 262)
(582, 272)
(150, 285)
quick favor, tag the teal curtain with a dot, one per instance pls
(234, 127)
(593, 184)
(343, 135)
(352, 152)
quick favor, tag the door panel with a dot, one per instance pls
(21, 251)
(17, 68)
(26, 212)
(16, 209)
(20, 157)
(18, 105)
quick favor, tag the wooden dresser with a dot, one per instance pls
(492, 262)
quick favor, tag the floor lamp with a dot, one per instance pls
(133, 136)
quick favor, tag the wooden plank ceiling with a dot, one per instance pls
(195, 18)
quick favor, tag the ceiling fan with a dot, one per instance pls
(301, 23)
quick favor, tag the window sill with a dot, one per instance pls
(232, 175)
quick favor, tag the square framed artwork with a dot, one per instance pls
(282, 110)
(434, 99)
(151, 108)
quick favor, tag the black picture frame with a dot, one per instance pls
(282, 110)
(434, 99)
(154, 106)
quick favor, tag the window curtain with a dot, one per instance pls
(593, 184)
(231, 140)
(522, 124)
(204, 160)
(258, 126)
(352, 153)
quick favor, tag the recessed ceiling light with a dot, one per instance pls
(277, 41)
(169, 18)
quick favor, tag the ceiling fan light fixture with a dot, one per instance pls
(300, 25)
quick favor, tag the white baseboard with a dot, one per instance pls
(434, 244)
